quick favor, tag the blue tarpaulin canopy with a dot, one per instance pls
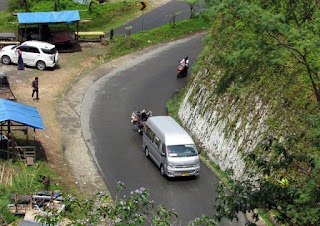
(21, 113)
(49, 17)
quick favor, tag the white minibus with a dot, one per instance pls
(170, 147)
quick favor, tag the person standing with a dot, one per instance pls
(35, 88)
(20, 65)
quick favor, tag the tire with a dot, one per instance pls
(146, 152)
(6, 60)
(162, 170)
(41, 65)
(178, 75)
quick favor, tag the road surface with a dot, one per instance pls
(148, 83)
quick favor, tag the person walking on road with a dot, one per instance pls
(35, 88)
(20, 65)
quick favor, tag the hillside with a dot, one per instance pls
(253, 105)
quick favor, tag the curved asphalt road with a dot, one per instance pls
(117, 147)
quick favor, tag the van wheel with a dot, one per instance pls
(6, 60)
(162, 170)
(146, 152)
(41, 65)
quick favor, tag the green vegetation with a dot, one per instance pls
(174, 103)
(123, 45)
(136, 209)
(28, 182)
(261, 59)
(18, 178)
(104, 17)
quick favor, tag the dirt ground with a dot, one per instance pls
(53, 84)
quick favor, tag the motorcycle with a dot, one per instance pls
(139, 119)
(182, 70)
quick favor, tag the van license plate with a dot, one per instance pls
(184, 174)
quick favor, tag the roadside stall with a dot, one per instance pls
(52, 27)
(18, 123)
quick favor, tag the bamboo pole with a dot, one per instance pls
(10, 179)
(2, 173)
(7, 177)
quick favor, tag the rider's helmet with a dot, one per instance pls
(186, 57)
(143, 113)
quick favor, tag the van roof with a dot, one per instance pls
(170, 130)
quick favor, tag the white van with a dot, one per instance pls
(170, 147)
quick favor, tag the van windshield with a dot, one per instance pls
(181, 150)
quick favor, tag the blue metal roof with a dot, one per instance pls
(20, 113)
(49, 17)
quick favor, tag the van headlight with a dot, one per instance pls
(197, 164)
(170, 166)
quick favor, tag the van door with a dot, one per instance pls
(148, 137)
(157, 150)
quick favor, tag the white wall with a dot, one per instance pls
(225, 146)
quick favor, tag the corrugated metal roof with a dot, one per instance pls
(20, 113)
(5, 35)
(49, 17)
(85, 2)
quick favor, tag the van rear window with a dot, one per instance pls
(181, 150)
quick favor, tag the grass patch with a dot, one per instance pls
(123, 45)
(173, 104)
(265, 217)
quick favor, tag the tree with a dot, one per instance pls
(129, 30)
(250, 35)
(283, 181)
(174, 15)
(91, 3)
(192, 4)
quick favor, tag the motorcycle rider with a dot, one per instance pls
(144, 115)
(185, 63)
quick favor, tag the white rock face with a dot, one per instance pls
(225, 145)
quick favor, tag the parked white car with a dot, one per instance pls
(34, 53)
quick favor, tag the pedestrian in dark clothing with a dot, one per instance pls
(20, 60)
(35, 88)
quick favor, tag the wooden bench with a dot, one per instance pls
(5, 43)
(79, 34)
